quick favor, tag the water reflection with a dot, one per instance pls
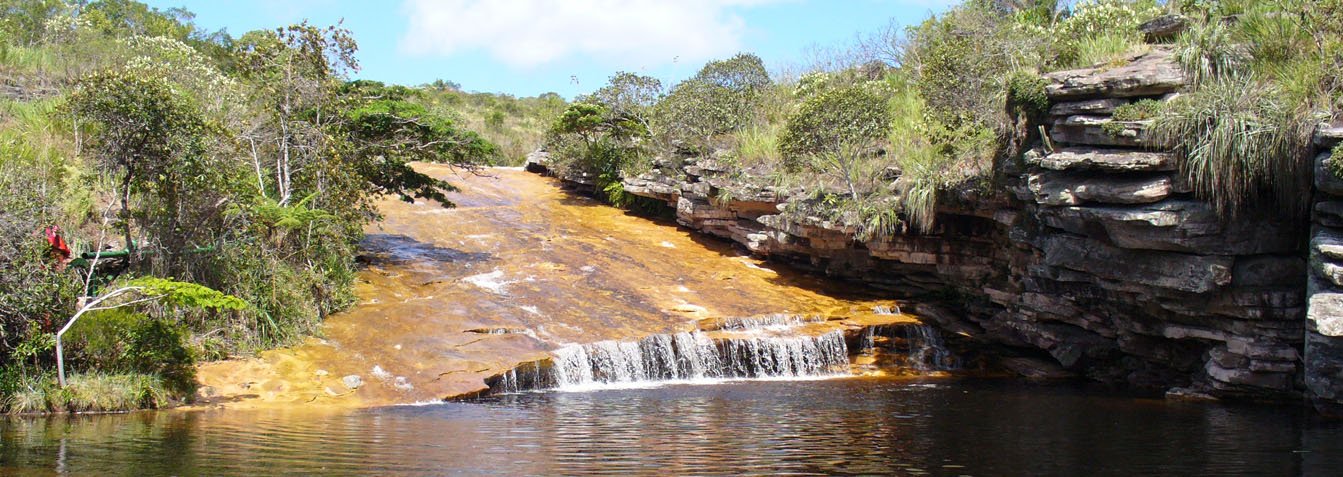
(845, 426)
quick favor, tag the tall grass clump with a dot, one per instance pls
(1240, 140)
(1261, 82)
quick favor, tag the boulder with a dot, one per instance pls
(538, 162)
(1113, 160)
(1176, 271)
(1269, 271)
(1062, 188)
(1327, 136)
(1325, 180)
(352, 381)
(1329, 213)
(1149, 74)
(1325, 314)
(652, 186)
(1163, 28)
(1328, 244)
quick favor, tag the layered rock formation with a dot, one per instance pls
(1092, 256)
(1324, 316)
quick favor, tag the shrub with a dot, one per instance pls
(854, 115)
(122, 340)
(718, 100)
(1026, 95)
(1101, 31)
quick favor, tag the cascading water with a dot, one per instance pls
(927, 351)
(696, 356)
(766, 346)
(775, 321)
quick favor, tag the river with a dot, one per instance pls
(839, 426)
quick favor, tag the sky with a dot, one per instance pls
(529, 47)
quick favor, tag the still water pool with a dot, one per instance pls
(839, 426)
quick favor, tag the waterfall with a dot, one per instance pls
(695, 356)
(927, 351)
(886, 310)
(775, 321)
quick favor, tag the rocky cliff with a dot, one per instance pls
(1091, 257)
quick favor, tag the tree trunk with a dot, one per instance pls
(132, 255)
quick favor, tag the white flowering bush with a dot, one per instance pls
(182, 65)
(1102, 30)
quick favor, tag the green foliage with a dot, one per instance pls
(387, 131)
(87, 392)
(718, 100)
(1261, 83)
(1026, 95)
(186, 294)
(962, 59)
(1140, 110)
(850, 115)
(246, 169)
(125, 341)
(516, 125)
(1336, 161)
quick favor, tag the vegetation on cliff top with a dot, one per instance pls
(875, 139)
(245, 167)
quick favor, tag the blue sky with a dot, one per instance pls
(529, 47)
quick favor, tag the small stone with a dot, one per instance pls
(321, 373)
(352, 381)
(402, 383)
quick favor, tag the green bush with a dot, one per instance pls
(719, 100)
(853, 114)
(126, 341)
(1026, 95)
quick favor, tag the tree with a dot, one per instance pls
(144, 290)
(142, 134)
(628, 96)
(853, 115)
(386, 131)
(720, 99)
(293, 74)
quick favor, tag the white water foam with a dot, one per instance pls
(492, 281)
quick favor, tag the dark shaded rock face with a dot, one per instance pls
(1093, 259)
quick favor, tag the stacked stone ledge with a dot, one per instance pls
(1122, 238)
(1324, 318)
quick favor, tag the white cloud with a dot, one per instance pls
(529, 33)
